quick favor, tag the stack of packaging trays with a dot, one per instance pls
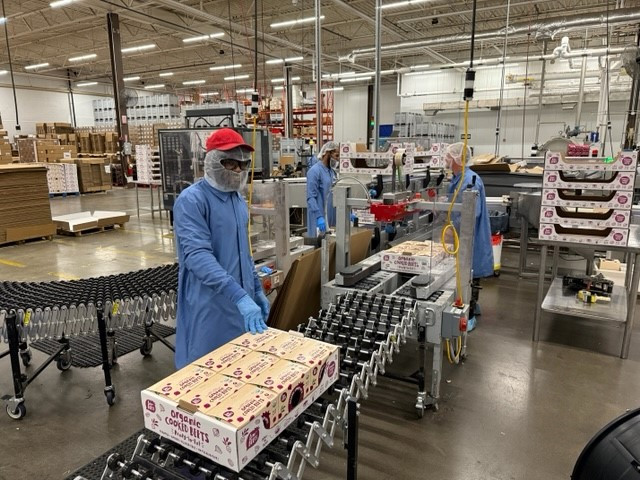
(587, 200)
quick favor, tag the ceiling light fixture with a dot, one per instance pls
(405, 3)
(294, 59)
(166, 74)
(200, 38)
(209, 94)
(225, 67)
(86, 84)
(83, 57)
(274, 61)
(246, 90)
(139, 48)
(357, 79)
(61, 3)
(3, 20)
(36, 65)
(236, 77)
(278, 88)
(131, 79)
(289, 23)
(334, 89)
(281, 80)
(4, 72)
(194, 82)
(151, 87)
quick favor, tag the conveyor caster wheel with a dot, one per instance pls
(146, 347)
(420, 412)
(19, 412)
(26, 357)
(111, 396)
(63, 362)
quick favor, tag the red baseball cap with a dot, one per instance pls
(226, 139)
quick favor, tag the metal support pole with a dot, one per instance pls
(319, 109)
(542, 77)
(73, 103)
(630, 131)
(117, 73)
(467, 234)
(603, 107)
(343, 227)
(583, 73)
(106, 367)
(376, 85)
(631, 306)
(352, 439)
(541, 275)
(283, 253)
(255, 45)
(289, 103)
(14, 347)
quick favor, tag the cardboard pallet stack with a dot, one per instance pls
(28, 147)
(24, 203)
(5, 152)
(53, 153)
(94, 174)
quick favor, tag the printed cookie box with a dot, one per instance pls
(253, 342)
(290, 382)
(320, 357)
(233, 432)
(249, 367)
(222, 357)
(210, 394)
(182, 382)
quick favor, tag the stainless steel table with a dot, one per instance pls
(157, 186)
(622, 308)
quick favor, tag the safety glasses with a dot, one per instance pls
(231, 164)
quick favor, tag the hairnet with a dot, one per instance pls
(328, 147)
(454, 153)
(221, 178)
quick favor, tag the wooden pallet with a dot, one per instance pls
(37, 238)
(91, 230)
(96, 190)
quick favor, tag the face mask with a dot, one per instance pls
(228, 181)
(333, 162)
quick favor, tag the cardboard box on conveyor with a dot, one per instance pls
(231, 403)
(412, 257)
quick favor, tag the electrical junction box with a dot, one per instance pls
(451, 320)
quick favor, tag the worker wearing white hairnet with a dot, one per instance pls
(482, 249)
(320, 177)
(219, 293)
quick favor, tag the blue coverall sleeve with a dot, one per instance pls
(314, 198)
(195, 240)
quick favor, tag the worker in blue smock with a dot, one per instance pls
(482, 250)
(320, 178)
(219, 293)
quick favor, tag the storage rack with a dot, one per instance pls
(148, 109)
(571, 203)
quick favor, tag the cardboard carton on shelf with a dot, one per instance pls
(586, 217)
(609, 236)
(617, 181)
(621, 200)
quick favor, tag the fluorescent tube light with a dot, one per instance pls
(356, 79)
(131, 79)
(151, 87)
(166, 74)
(225, 67)
(83, 57)
(209, 94)
(86, 84)
(402, 4)
(139, 48)
(289, 23)
(36, 65)
(281, 80)
(200, 38)
(236, 77)
(60, 3)
(334, 89)
(194, 82)
(246, 90)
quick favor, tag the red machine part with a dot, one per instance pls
(393, 212)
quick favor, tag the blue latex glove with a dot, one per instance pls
(390, 229)
(266, 270)
(252, 315)
(321, 224)
(263, 302)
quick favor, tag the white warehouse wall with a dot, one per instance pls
(350, 112)
(447, 86)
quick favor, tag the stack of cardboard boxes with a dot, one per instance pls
(24, 203)
(48, 153)
(94, 174)
(229, 404)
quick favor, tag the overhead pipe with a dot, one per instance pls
(543, 29)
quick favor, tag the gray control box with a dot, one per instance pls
(451, 320)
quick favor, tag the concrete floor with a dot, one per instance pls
(514, 410)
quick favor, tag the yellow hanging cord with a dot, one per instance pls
(456, 241)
